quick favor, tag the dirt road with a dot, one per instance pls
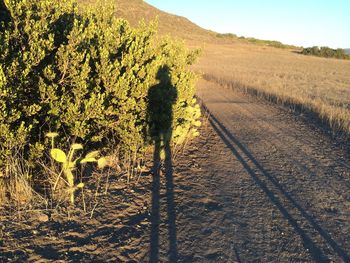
(258, 185)
(294, 188)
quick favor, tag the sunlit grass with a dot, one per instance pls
(319, 85)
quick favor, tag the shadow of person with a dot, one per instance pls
(161, 98)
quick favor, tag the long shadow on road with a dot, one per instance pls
(241, 153)
(161, 97)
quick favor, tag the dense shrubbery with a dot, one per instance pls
(326, 52)
(84, 74)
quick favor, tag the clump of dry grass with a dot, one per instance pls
(15, 185)
(318, 85)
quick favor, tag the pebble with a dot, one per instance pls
(39, 216)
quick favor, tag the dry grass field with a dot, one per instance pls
(319, 85)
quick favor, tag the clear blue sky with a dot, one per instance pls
(298, 22)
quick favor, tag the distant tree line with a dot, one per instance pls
(271, 43)
(226, 35)
(326, 52)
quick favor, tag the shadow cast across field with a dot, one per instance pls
(242, 154)
(161, 98)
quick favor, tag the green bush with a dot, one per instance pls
(326, 52)
(85, 74)
(226, 35)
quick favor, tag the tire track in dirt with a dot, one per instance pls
(304, 174)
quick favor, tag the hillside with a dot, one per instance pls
(135, 10)
(168, 24)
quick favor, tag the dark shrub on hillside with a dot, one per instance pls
(326, 52)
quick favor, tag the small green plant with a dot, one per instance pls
(190, 123)
(69, 164)
(188, 129)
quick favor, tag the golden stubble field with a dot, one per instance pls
(317, 84)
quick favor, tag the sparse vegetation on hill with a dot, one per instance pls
(85, 74)
(135, 11)
(326, 52)
(271, 43)
(226, 35)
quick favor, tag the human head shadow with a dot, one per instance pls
(161, 98)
